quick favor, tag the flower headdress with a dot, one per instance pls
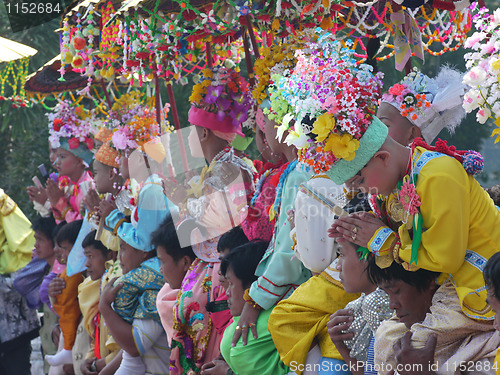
(72, 128)
(429, 103)
(484, 69)
(140, 128)
(276, 60)
(333, 101)
(220, 101)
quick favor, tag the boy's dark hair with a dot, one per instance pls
(243, 261)
(69, 232)
(420, 279)
(166, 237)
(491, 274)
(46, 226)
(90, 240)
(232, 239)
(56, 230)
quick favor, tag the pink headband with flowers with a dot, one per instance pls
(209, 120)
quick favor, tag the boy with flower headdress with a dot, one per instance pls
(215, 203)
(325, 83)
(420, 106)
(72, 133)
(448, 221)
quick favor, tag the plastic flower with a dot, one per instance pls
(297, 137)
(323, 126)
(409, 198)
(483, 115)
(342, 146)
(475, 76)
(396, 89)
(284, 126)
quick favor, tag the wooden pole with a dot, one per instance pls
(248, 58)
(108, 99)
(252, 37)
(210, 61)
(177, 125)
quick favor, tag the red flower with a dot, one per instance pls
(397, 89)
(89, 142)
(57, 124)
(73, 143)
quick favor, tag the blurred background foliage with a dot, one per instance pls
(24, 131)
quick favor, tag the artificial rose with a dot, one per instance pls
(57, 124)
(397, 89)
(73, 143)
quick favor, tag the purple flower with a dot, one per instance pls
(238, 113)
(213, 92)
(223, 104)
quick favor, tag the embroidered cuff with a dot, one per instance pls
(376, 243)
(114, 220)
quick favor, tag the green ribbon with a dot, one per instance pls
(417, 237)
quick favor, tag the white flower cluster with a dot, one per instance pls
(483, 66)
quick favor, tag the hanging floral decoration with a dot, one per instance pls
(483, 64)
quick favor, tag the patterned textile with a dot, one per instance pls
(137, 298)
(195, 340)
(369, 311)
(16, 319)
(67, 207)
(460, 338)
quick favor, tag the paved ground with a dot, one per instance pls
(36, 357)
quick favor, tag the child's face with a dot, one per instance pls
(222, 279)
(62, 251)
(352, 270)
(235, 293)
(495, 306)
(173, 271)
(130, 258)
(273, 143)
(379, 176)
(52, 155)
(66, 162)
(400, 128)
(43, 246)
(103, 177)
(95, 262)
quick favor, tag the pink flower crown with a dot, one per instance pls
(409, 103)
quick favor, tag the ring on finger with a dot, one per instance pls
(244, 326)
(355, 230)
(237, 328)
(251, 325)
(353, 237)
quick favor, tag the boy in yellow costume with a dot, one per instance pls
(449, 222)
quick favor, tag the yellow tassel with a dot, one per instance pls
(327, 23)
(276, 24)
(326, 3)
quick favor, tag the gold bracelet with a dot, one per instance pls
(250, 301)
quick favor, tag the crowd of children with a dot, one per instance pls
(352, 247)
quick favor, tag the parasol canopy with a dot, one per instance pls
(10, 50)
